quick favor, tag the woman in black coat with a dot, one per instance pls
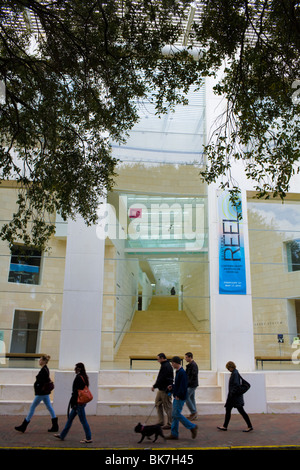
(234, 399)
(41, 394)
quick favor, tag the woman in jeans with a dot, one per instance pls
(80, 381)
(234, 400)
(41, 394)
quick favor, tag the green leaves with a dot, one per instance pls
(73, 72)
(261, 122)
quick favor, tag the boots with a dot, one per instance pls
(54, 425)
(23, 426)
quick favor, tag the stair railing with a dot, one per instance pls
(125, 328)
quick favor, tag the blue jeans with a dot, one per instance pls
(37, 400)
(190, 401)
(177, 416)
(80, 411)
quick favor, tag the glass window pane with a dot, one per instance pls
(25, 265)
(274, 239)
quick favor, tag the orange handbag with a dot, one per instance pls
(84, 395)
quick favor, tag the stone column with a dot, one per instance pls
(81, 312)
(231, 314)
(82, 302)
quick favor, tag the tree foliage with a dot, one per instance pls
(74, 72)
(258, 45)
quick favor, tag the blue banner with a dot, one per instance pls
(25, 268)
(232, 274)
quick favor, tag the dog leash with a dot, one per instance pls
(150, 414)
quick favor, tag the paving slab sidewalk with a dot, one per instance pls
(271, 431)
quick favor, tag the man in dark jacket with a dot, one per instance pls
(163, 400)
(192, 373)
(179, 391)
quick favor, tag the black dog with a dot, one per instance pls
(148, 431)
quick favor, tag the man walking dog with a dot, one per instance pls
(163, 401)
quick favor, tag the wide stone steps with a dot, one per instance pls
(147, 335)
(283, 391)
(127, 392)
(119, 392)
(107, 393)
(17, 393)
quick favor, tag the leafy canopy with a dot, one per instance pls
(74, 72)
(258, 44)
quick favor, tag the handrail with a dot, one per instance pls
(129, 320)
(191, 312)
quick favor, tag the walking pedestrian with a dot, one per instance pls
(179, 389)
(163, 401)
(193, 383)
(42, 393)
(234, 399)
(81, 380)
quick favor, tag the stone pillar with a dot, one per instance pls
(81, 313)
(82, 303)
(231, 315)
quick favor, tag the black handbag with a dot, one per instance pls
(243, 387)
(48, 387)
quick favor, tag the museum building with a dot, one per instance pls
(171, 266)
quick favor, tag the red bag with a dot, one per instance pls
(84, 396)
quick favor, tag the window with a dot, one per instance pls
(25, 331)
(293, 255)
(25, 265)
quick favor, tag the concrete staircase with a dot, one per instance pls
(163, 328)
(124, 392)
(283, 391)
(129, 393)
(16, 391)
(119, 392)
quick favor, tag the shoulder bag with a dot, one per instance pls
(48, 387)
(243, 386)
(84, 395)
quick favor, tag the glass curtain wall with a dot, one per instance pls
(156, 293)
(274, 234)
